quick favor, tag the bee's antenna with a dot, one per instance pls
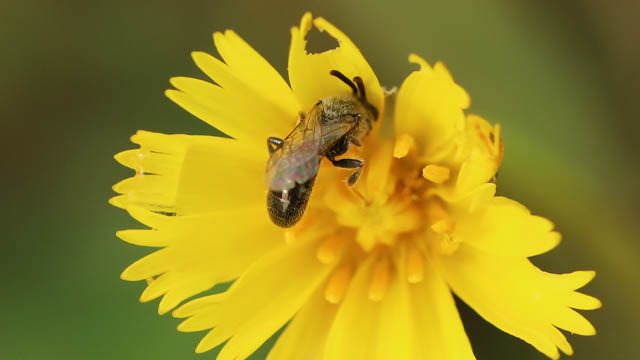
(358, 81)
(363, 97)
(345, 79)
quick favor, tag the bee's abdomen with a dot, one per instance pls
(287, 207)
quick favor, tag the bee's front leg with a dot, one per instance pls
(349, 164)
(274, 143)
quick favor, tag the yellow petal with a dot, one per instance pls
(436, 323)
(430, 107)
(396, 337)
(517, 297)
(200, 251)
(142, 238)
(306, 335)
(157, 166)
(505, 227)
(366, 329)
(192, 174)
(263, 299)
(221, 174)
(309, 73)
(354, 330)
(249, 67)
(251, 101)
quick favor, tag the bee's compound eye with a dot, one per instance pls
(287, 207)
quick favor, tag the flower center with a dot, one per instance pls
(378, 215)
(391, 219)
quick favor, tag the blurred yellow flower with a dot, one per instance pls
(367, 273)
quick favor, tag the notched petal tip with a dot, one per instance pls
(203, 346)
(172, 94)
(580, 278)
(197, 305)
(200, 56)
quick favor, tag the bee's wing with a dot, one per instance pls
(297, 160)
(332, 132)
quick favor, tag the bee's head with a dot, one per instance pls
(357, 86)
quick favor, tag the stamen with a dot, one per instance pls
(338, 284)
(379, 280)
(447, 245)
(436, 173)
(442, 226)
(329, 250)
(404, 143)
(415, 265)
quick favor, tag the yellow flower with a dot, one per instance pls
(368, 272)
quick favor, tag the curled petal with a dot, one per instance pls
(480, 152)
(430, 108)
(504, 227)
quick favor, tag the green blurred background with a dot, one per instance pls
(80, 77)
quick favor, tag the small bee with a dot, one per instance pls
(326, 131)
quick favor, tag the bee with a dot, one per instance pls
(327, 130)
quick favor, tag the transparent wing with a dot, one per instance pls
(332, 132)
(297, 160)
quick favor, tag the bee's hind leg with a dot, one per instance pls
(274, 143)
(350, 164)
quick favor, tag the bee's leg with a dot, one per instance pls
(274, 143)
(339, 148)
(354, 140)
(349, 164)
(353, 178)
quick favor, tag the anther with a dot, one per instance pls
(337, 285)
(415, 265)
(379, 279)
(447, 245)
(436, 173)
(442, 226)
(329, 250)
(403, 144)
